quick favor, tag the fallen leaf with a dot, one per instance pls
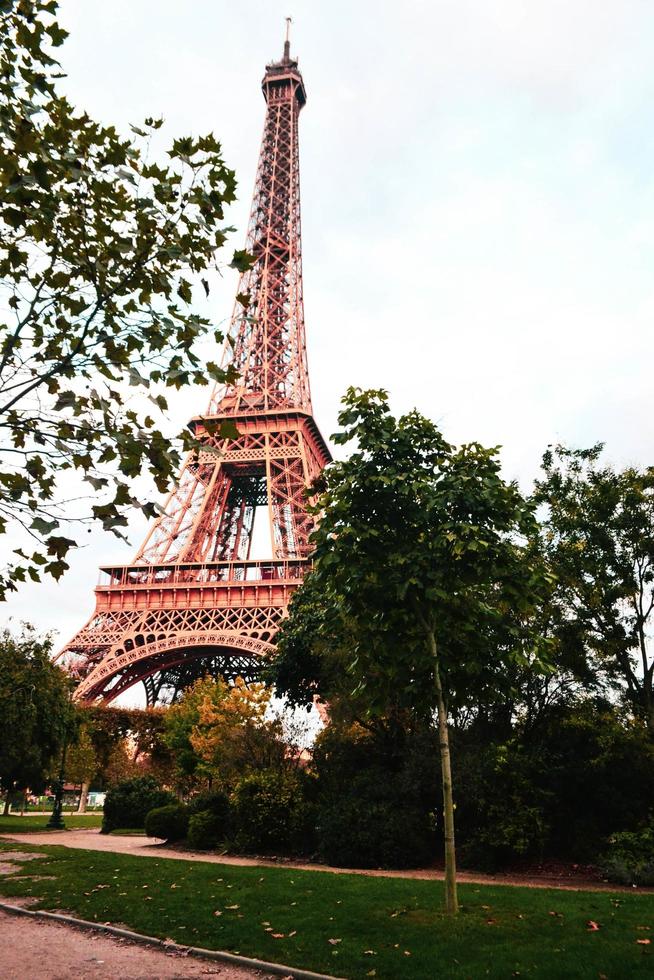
(218, 912)
(278, 935)
(407, 953)
(334, 941)
(291, 934)
(232, 906)
(643, 942)
(643, 927)
(369, 952)
(592, 926)
(371, 973)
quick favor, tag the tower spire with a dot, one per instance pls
(197, 598)
(266, 343)
(287, 42)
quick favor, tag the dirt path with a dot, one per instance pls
(33, 948)
(92, 840)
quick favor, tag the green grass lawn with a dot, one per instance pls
(351, 925)
(33, 822)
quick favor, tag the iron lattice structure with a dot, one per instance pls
(193, 601)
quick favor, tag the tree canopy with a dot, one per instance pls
(220, 733)
(36, 714)
(598, 535)
(103, 245)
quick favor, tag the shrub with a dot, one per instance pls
(167, 822)
(205, 830)
(127, 803)
(362, 833)
(377, 790)
(630, 858)
(270, 812)
(214, 801)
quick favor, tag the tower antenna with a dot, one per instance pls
(287, 42)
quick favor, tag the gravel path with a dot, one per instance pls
(50, 951)
(91, 839)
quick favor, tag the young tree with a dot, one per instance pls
(598, 534)
(421, 548)
(102, 247)
(35, 710)
(81, 765)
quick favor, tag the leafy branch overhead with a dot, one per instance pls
(102, 248)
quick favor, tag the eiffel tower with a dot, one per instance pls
(193, 601)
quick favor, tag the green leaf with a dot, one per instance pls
(242, 261)
(42, 526)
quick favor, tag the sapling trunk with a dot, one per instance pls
(83, 797)
(451, 901)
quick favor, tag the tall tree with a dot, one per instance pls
(36, 715)
(598, 533)
(102, 247)
(422, 549)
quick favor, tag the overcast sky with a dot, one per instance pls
(477, 195)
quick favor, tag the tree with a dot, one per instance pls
(120, 764)
(598, 535)
(218, 733)
(422, 548)
(234, 735)
(102, 248)
(81, 765)
(36, 715)
(180, 721)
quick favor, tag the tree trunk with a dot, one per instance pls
(83, 797)
(5, 812)
(451, 901)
